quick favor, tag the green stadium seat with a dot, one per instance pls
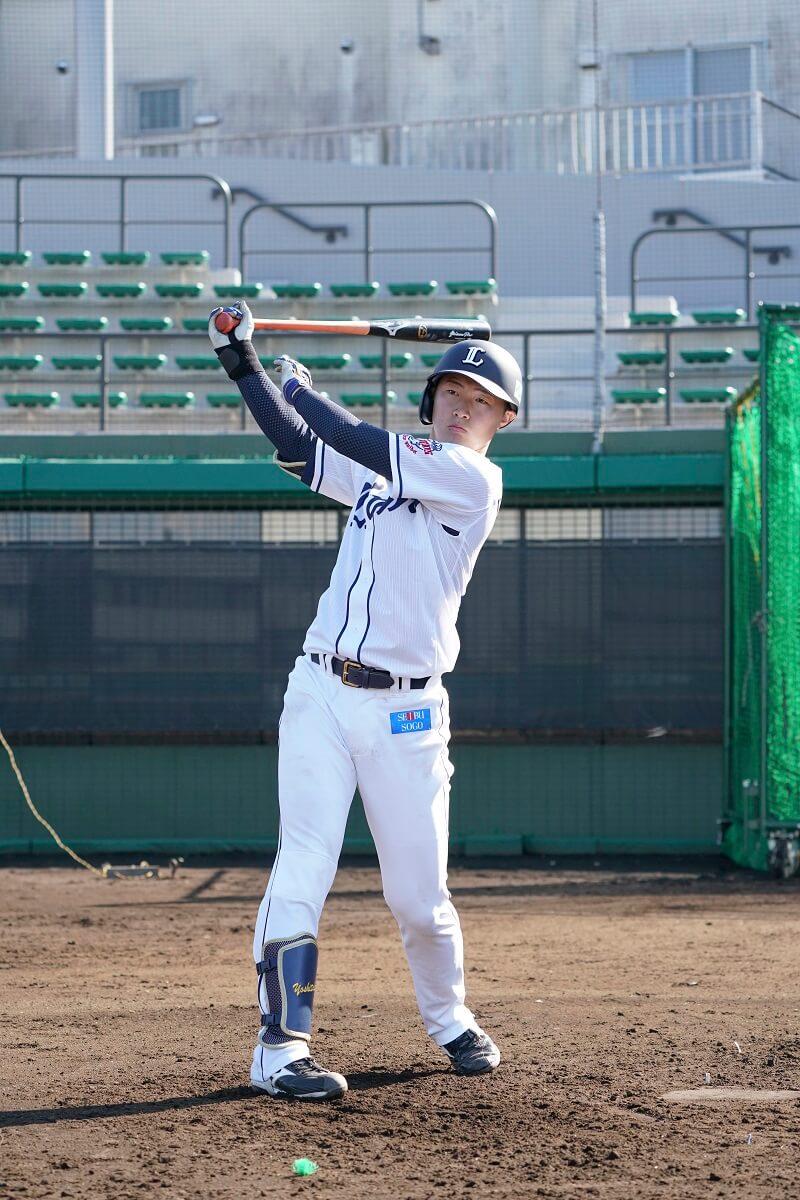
(355, 290)
(146, 324)
(714, 354)
(126, 258)
(62, 291)
(166, 399)
(430, 360)
(121, 291)
(708, 395)
(224, 399)
(13, 290)
(20, 362)
(366, 399)
(415, 398)
(639, 395)
(67, 258)
(725, 316)
(425, 288)
(82, 324)
(373, 361)
(641, 358)
(140, 362)
(238, 291)
(326, 362)
(76, 362)
(296, 291)
(196, 324)
(471, 287)
(752, 353)
(92, 399)
(32, 399)
(14, 258)
(186, 258)
(179, 291)
(786, 312)
(21, 324)
(197, 362)
(654, 318)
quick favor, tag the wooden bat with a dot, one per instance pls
(402, 329)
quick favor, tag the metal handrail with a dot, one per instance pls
(331, 232)
(747, 276)
(666, 373)
(368, 250)
(122, 220)
(670, 217)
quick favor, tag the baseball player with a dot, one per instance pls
(365, 705)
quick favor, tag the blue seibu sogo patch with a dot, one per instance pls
(411, 721)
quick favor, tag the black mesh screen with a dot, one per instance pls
(594, 635)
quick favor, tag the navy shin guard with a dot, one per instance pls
(289, 971)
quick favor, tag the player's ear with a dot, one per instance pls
(508, 416)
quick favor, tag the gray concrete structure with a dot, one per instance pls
(269, 67)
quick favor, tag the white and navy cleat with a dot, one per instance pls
(473, 1053)
(303, 1079)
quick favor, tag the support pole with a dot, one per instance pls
(94, 54)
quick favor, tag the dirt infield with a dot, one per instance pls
(128, 1017)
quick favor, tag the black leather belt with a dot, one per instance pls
(353, 674)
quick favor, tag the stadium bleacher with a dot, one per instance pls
(76, 315)
(123, 320)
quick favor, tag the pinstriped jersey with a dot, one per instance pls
(407, 553)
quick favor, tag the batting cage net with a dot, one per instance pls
(764, 613)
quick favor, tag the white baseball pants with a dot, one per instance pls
(334, 738)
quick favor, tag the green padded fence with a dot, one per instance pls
(764, 600)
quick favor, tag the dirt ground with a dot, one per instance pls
(128, 1017)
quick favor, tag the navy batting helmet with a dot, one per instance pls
(484, 362)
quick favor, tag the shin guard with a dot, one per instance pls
(289, 971)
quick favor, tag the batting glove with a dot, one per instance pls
(235, 349)
(289, 369)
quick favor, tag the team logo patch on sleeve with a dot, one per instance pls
(420, 445)
(412, 721)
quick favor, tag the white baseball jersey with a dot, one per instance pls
(407, 553)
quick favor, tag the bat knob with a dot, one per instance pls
(225, 321)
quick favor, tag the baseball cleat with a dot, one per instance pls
(303, 1080)
(473, 1053)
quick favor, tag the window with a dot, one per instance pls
(705, 130)
(159, 108)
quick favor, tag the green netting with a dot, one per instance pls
(783, 574)
(745, 584)
(764, 676)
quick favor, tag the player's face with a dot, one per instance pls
(467, 415)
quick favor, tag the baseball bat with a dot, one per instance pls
(402, 329)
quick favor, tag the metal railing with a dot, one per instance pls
(526, 342)
(732, 131)
(740, 235)
(122, 221)
(366, 250)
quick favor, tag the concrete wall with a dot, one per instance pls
(545, 226)
(269, 67)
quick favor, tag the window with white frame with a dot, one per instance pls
(696, 108)
(158, 108)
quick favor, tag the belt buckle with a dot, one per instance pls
(346, 666)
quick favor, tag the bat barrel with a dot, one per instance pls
(399, 329)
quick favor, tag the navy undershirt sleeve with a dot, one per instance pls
(287, 431)
(339, 429)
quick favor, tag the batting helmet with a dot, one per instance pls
(484, 362)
